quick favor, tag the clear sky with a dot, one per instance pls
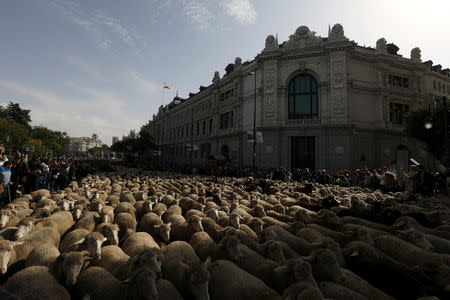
(98, 66)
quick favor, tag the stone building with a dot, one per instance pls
(79, 145)
(320, 103)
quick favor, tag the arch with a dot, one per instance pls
(303, 97)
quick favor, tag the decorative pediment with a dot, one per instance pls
(271, 43)
(336, 34)
(303, 38)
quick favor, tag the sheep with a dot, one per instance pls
(324, 265)
(127, 225)
(148, 223)
(302, 290)
(40, 194)
(143, 207)
(416, 238)
(310, 235)
(138, 242)
(184, 269)
(257, 265)
(84, 240)
(88, 222)
(299, 245)
(176, 220)
(97, 283)
(107, 214)
(239, 284)
(293, 270)
(36, 283)
(61, 221)
(8, 233)
(113, 259)
(67, 266)
(409, 254)
(124, 207)
(40, 213)
(110, 231)
(159, 209)
(403, 223)
(392, 277)
(8, 218)
(338, 292)
(166, 290)
(205, 247)
(327, 218)
(141, 285)
(15, 253)
(359, 285)
(185, 231)
(372, 225)
(172, 210)
(42, 255)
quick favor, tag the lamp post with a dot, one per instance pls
(254, 120)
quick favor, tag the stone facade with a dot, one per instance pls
(83, 144)
(362, 96)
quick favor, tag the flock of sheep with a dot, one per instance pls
(137, 236)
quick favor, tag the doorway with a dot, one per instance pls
(303, 152)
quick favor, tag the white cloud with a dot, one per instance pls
(144, 85)
(198, 14)
(101, 26)
(241, 10)
(99, 112)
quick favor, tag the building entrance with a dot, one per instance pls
(303, 152)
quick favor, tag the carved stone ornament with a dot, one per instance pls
(216, 78)
(271, 43)
(416, 54)
(337, 34)
(382, 45)
(237, 62)
(303, 38)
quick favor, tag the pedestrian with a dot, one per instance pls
(5, 182)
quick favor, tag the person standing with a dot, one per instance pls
(5, 182)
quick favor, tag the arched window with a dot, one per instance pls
(302, 97)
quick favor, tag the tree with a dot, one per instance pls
(17, 134)
(432, 138)
(38, 145)
(55, 141)
(15, 113)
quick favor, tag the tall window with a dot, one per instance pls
(302, 97)
(397, 112)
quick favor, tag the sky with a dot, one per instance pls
(98, 66)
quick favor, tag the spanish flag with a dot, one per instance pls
(165, 86)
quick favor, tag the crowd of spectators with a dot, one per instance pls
(23, 175)
(416, 180)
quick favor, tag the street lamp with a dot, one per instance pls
(254, 120)
(428, 123)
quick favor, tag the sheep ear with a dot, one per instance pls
(355, 253)
(156, 226)
(17, 243)
(282, 269)
(170, 223)
(208, 262)
(125, 282)
(185, 266)
(104, 240)
(133, 260)
(78, 242)
(307, 258)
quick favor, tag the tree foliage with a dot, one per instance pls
(433, 138)
(17, 134)
(137, 143)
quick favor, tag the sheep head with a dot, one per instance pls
(198, 278)
(142, 284)
(72, 263)
(150, 258)
(6, 253)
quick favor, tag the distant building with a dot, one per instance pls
(83, 144)
(321, 102)
(115, 139)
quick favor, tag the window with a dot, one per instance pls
(398, 81)
(204, 127)
(434, 84)
(210, 125)
(227, 95)
(302, 99)
(197, 128)
(226, 120)
(397, 112)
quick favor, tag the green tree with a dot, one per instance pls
(15, 113)
(55, 141)
(38, 145)
(16, 132)
(432, 138)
